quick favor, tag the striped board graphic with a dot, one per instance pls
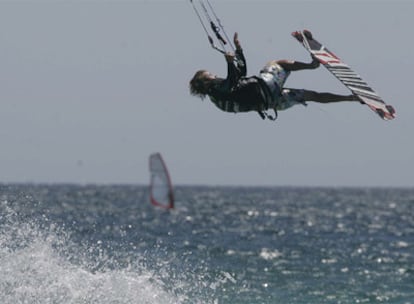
(346, 75)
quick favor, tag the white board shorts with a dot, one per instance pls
(273, 72)
(290, 98)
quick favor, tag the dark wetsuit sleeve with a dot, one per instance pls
(236, 71)
(233, 75)
(241, 62)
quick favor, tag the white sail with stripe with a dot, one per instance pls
(161, 191)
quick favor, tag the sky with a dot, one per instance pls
(89, 89)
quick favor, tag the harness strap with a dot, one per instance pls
(265, 115)
(262, 115)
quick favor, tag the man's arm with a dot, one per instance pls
(232, 71)
(235, 72)
(241, 60)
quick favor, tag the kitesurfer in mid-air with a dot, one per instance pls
(238, 93)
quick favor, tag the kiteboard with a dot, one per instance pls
(161, 191)
(345, 74)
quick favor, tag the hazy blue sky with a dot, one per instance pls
(90, 88)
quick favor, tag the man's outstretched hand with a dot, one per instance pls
(237, 41)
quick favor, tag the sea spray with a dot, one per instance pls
(41, 264)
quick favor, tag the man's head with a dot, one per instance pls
(200, 83)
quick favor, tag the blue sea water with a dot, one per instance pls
(107, 244)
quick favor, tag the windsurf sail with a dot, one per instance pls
(161, 191)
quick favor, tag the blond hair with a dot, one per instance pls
(199, 84)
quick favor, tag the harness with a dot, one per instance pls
(270, 89)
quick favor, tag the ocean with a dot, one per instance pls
(108, 244)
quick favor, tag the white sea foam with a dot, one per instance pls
(34, 270)
(40, 264)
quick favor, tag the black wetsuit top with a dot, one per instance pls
(238, 93)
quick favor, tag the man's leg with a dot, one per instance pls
(327, 97)
(290, 65)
